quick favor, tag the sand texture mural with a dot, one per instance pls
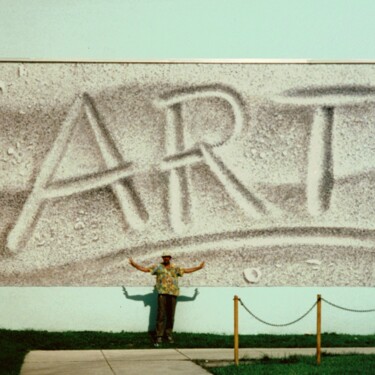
(265, 171)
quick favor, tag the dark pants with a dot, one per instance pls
(165, 318)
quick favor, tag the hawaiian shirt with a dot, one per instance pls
(167, 278)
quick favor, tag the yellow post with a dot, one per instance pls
(236, 341)
(318, 328)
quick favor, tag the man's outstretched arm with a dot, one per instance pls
(137, 266)
(193, 269)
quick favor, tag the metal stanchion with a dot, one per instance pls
(236, 340)
(318, 328)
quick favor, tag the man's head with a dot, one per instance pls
(166, 257)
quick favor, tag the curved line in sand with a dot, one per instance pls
(267, 238)
(315, 236)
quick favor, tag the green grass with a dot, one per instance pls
(303, 365)
(15, 344)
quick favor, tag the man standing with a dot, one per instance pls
(167, 275)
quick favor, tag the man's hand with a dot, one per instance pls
(201, 265)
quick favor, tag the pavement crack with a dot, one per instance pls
(182, 353)
(109, 365)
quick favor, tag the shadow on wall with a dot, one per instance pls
(151, 300)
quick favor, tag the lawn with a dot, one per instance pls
(303, 365)
(14, 345)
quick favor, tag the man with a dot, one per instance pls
(167, 275)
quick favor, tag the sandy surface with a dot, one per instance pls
(99, 162)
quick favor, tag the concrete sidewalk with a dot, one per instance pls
(150, 361)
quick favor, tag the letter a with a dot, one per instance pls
(131, 207)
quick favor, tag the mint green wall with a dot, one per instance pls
(162, 29)
(107, 309)
(149, 29)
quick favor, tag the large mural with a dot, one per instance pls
(263, 171)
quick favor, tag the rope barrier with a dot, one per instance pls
(318, 334)
(274, 324)
(300, 318)
(347, 309)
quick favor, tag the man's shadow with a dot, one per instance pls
(151, 300)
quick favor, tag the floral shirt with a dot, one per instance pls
(167, 278)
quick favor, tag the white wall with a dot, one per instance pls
(107, 309)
